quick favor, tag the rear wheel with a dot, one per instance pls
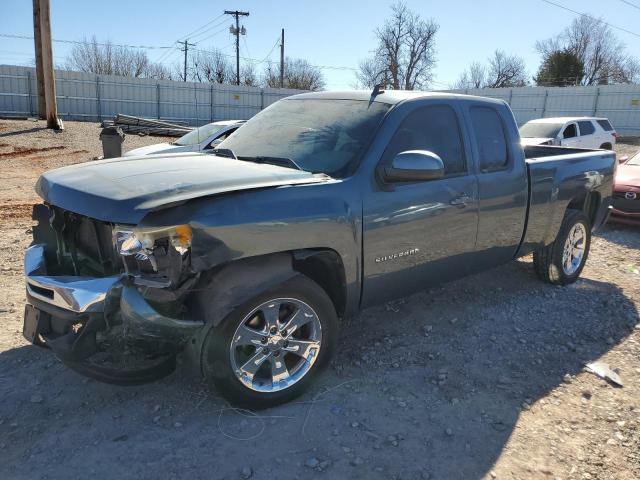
(562, 261)
(270, 349)
(606, 146)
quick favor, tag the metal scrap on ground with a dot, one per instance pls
(131, 124)
(603, 370)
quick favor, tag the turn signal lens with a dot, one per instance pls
(183, 235)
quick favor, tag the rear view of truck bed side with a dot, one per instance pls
(562, 178)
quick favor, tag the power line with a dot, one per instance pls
(171, 49)
(630, 4)
(217, 25)
(78, 42)
(167, 54)
(266, 57)
(592, 18)
(191, 34)
(212, 35)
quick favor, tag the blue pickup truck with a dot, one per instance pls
(245, 260)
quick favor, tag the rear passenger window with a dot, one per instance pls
(586, 127)
(435, 129)
(605, 124)
(491, 139)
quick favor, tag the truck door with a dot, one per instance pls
(421, 233)
(502, 183)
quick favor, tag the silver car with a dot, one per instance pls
(202, 138)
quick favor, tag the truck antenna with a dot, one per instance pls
(377, 89)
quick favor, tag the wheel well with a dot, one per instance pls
(324, 267)
(606, 146)
(588, 204)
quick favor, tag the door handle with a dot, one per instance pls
(461, 200)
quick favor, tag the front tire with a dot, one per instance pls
(561, 262)
(270, 349)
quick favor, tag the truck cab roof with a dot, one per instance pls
(390, 97)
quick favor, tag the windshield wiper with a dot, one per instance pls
(224, 152)
(279, 161)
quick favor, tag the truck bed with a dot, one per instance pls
(535, 152)
(560, 177)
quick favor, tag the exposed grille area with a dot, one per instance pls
(75, 244)
(625, 204)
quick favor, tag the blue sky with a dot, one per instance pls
(328, 32)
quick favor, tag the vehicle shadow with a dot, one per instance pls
(429, 386)
(22, 132)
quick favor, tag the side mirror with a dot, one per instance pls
(623, 159)
(413, 166)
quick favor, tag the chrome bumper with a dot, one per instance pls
(87, 295)
(75, 293)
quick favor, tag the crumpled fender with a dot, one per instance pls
(225, 289)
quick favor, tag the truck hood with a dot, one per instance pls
(534, 140)
(124, 190)
(161, 148)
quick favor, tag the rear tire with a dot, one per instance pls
(275, 339)
(562, 261)
(606, 146)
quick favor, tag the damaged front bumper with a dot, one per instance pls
(100, 326)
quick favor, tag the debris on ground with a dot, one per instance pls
(603, 370)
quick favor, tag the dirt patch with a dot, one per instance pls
(23, 151)
(11, 213)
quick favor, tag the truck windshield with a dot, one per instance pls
(319, 135)
(199, 134)
(540, 130)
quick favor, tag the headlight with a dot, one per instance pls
(141, 241)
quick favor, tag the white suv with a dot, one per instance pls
(579, 132)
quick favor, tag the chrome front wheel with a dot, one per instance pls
(276, 344)
(270, 348)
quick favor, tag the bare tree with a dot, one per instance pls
(160, 72)
(502, 70)
(108, 59)
(105, 58)
(298, 73)
(597, 48)
(405, 56)
(474, 77)
(211, 67)
(248, 75)
(506, 71)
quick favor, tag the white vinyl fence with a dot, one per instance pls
(89, 97)
(84, 96)
(618, 103)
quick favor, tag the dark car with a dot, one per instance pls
(626, 192)
(246, 260)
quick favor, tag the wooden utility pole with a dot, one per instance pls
(236, 31)
(282, 60)
(38, 49)
(44, 59)
(185, 50)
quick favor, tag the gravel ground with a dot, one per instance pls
(482, 378)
